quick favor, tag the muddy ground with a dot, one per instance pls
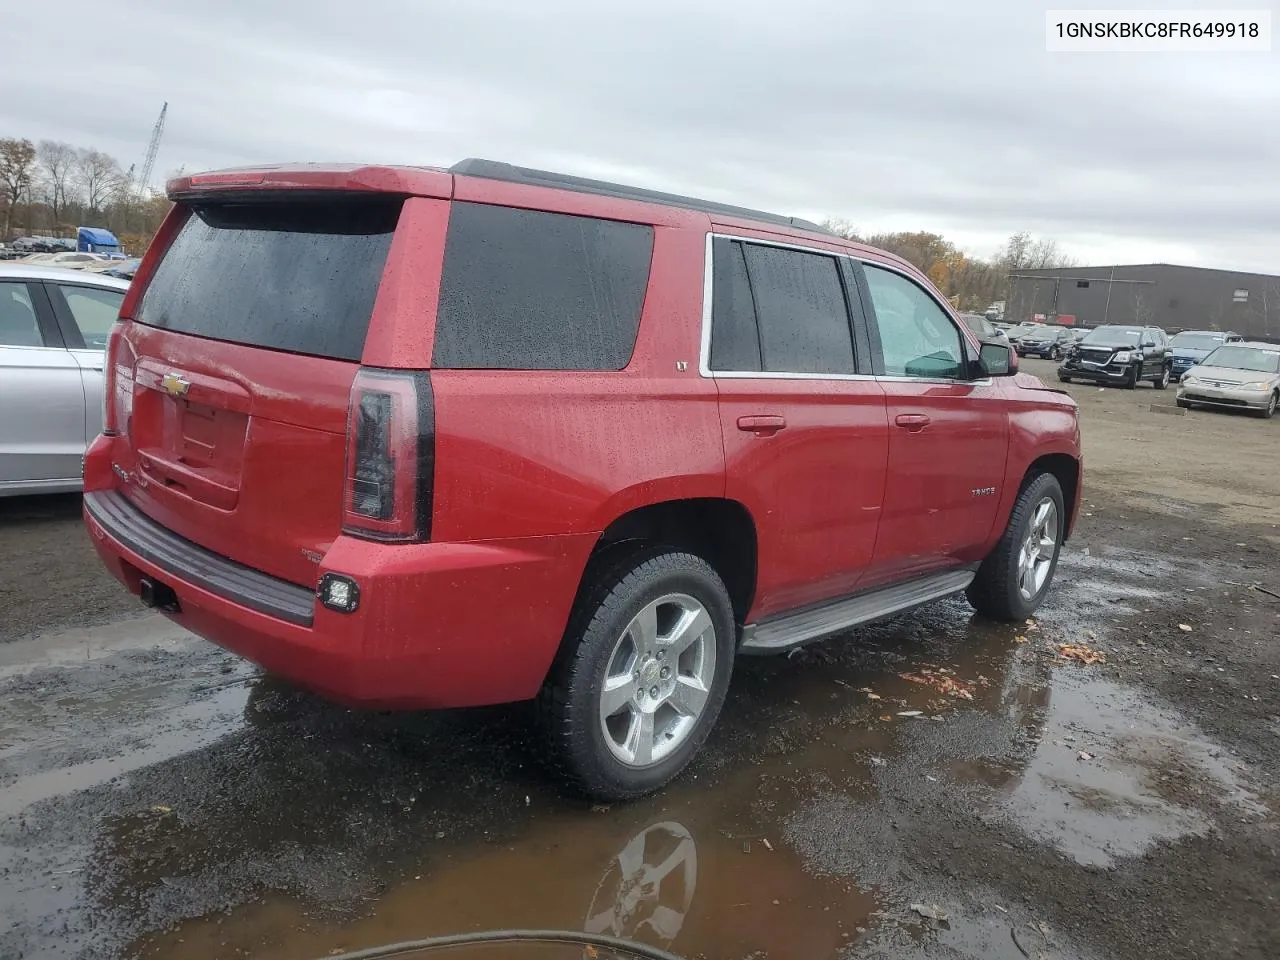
(159, 798)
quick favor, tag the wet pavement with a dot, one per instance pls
(161, 798)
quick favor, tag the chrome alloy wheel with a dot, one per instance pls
(1036, 556)
(658, 680)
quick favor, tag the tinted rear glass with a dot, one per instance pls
(299, 276)
(529, 290)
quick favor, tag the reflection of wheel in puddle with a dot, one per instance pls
(645, 894)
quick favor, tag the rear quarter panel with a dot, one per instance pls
(537, 453)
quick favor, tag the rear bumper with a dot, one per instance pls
(439, 624)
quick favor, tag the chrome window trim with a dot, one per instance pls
(704, 351)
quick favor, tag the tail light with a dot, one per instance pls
(117, 385)
(391, 441)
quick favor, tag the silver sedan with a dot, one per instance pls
(1235, 376)
(53, 331)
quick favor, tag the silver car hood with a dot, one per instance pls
(1231, 373)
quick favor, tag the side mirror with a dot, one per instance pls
(997, 360)
(1148, 343)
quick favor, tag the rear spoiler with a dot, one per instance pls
(408, 181)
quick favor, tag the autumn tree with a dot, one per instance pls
(57, 165)
(17, 164)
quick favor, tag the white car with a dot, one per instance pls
(53, 333)
(1235, 376)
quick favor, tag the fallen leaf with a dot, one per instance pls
(1081, 652)
(590, 952)
(885, 717)
(873, 696)
(930, 912)
(1019, 639)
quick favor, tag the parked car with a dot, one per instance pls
(433, 438)
(53, 331)
(1120, 354)
(983, 329)
(1236, 376)
(1191, 346)
(1047, 342)
(72, 259)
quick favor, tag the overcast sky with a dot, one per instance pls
(941, 116)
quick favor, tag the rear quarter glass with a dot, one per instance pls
(532, 290)
(293, 275)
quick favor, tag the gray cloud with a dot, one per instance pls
(916, 115)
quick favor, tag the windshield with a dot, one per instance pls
(1198, 341)
(1114, 337)
(1245, 358)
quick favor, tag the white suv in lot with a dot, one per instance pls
(53, 331)
(1236, 376)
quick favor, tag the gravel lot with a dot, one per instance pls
(158, 798)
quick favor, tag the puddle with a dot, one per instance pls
(1114, 773)
(171, 804)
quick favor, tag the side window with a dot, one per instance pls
(801, 311)
(94, 311)
(735, 341)
(916, 336)
(530, 290)
(18, 325)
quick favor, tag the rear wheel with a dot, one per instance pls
(1013, 580)
(1162, 381)
(643, 673)
(1055, 353)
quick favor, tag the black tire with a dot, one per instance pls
(1269, 410)
(1184, 404)
(1064, 378)
(994, 592)
(1055, 354)
(611, 595)
(1161, 382)
(1135, 374)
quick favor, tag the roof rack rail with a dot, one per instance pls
(497, 170)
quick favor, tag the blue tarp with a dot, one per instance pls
(96, 240)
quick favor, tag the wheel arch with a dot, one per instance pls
(1067, 469)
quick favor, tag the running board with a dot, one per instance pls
(792, 629)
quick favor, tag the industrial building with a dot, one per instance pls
(1175, 298)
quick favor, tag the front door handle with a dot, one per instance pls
(913, 422)
(763, 424)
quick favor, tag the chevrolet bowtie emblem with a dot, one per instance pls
(175, 385)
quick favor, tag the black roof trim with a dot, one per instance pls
(497, 170)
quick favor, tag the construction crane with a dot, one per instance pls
(144, 178)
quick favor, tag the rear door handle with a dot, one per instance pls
(762, 424)
(914, 422)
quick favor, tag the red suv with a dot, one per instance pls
(434, 438)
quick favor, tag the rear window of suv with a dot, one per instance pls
(530, 290)
(292, 275)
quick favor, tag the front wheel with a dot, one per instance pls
(1064, 378)
(1055, 354)
(642, 675)
(1134, 375)
(1184, 404)
(1013, 580)
(1162, 382)
(1269, 410)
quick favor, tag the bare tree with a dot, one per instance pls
(17, 166)
(57, 164)
(837, 225)
(99, 176)
(1141, 310)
